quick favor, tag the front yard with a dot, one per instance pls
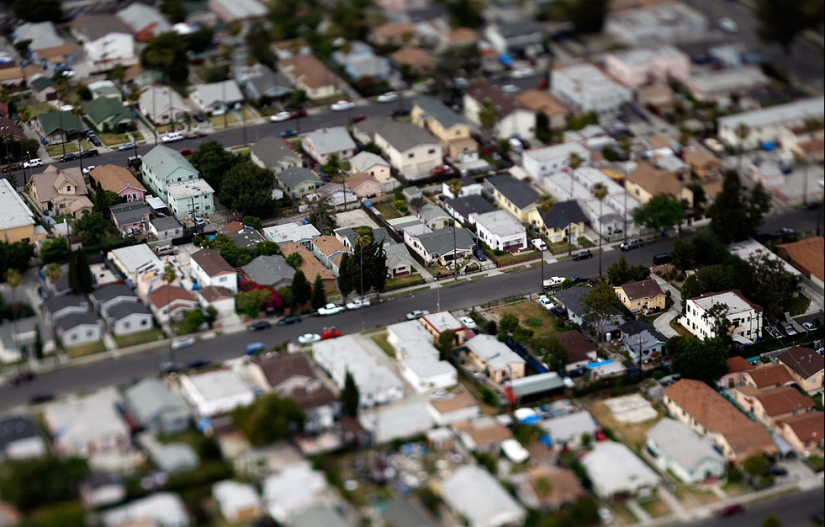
(531, 316)
(403, 281)
(385, 346)
(152, 335)
(114, 139)
(57, 150)
(86, 349)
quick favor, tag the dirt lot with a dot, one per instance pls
(632, 434)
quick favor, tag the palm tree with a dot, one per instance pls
(53, 272)
(546, 202)
(811, 126)
(743, 131)
(575, 161)
(363, 239)
(455, 186)
(169, 276)
(14, 279)
(600, 192)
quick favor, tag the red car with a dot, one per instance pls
(730, 510)
(441, 170)
(186, 151)
(359, 118)
(330, 333)
(298, 113)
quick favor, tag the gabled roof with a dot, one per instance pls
(541, 101)
(107, 109)
(807, 426)
(808, 253)
(166, 223)
(404, 136)
(571, 299)
(520, 193)
(115, 178)
(130, 212)
(139, 17)
(496, 355)
(270, 150)
(438, 111)
(285, 366)
(218, 92)
(505, 104)
(804, 361)
(16, 428)
(782, 400)
(309, 71)
(737, 364)
(467, 205)
(72, 320)
(40, 82)
(56, 303)
(122, 310)
(93, 27)
(679, 443)
(293, 176)
(636, 290)
(441, 241)
(213, 293)
(363, 161)
(330, 140)
(111, 291)
(655, 181)
(430, 212)
(360, 178)
(212, 263)
(158, 297)
(770, 375)
(576, 345)
(413, 56)
(636, 327)
(328, 245)
(54, 121)
(162, 161)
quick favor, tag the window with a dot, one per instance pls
(411, 155)
(144, 322)
(68, 188)
(126, 325)
(89, 333)
(431, 151)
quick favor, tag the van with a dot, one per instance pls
(163, 250)
(538, 244)
(632, 244)
(662, 258)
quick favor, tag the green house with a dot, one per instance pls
(106, 113)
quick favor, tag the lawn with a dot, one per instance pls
(655, 507)
(403, 281)
(584, 242)
(381, 340)
(40, 108)
(151, 335)
(86, 349)
(705, 497)
(633, 434)
(57, 150)
(387, 211)
(681, 329)
(531, 316)
(799, 305)
(114, 139)
(816, 463)
(736, 489)
(218, 120)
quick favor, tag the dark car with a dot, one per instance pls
(578, 279)
(730, 510)
(21, 378)
(479, 254)
(89, 153)
(13, 167)
(67, 157)
(41, 398)
(198, 363)
(359, 118)
(289, 133)
(776, 470)
(298, 113)
(169, 367)
(400, 112)
(559, 312)
(199, 118)
(289, 319)
(95, 141)
(185, 152)
(260, 326)
(584, 255)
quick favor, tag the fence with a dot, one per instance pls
(507, 300)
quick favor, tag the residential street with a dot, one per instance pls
(794, 510)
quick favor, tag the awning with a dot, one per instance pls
(784, 447)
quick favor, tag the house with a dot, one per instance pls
(43, 88)
(538, 101)
(416, 59)
(17, 221)
(161, 508)
(399, 261)
(512, 119)
(767, 376)
(359, 62)
(130, 218)
(20, 438)
(438, 323)
(805, 366)
(641, 66)
(807, 256)
(309, 75)
(291, 233)
(163, 166)
(100, 490)
(363, 185)
(271, 271)
(720, 86)
(323, 143)
(640, 337)
(215, 392)
(456, 408)
(533, 387)
(772, 404)
(156, 408)
(321, 515)
(210, 269)
(707, 413)
(569, 431)
(60, 306)
(285, 49)
(297, 487)
(641, 296)
(110, 295)
(541, 162)
(500, 231)
(736, 366)
(127, 318)
(190, 199)
(452, 129)
(137, 263)
(58, 127)
(392, 33)
(170, 300)
(165, 228)
(563, 219)
(647, 181)
(243, 235)
(221, 298)
(261, 84)
(77, 329)
(464, 209)
(62, 192)
(475, 494)
(374, 165)
(140, 78)
(745, 317)
(396, 422)
(327, 248)
(495, 359)
(564, 488)
(310, 265)
(434, 217)
(442, 245)
(83, 426)
(217, 98)
(517, 197)
(298, 182)
(120, 181)
(520, 37)
(681, 451)
(580, 351)
(11, 76)
(483, 434)
(768, 124)
(238, 502)
(376, 383)
(467, 186)
(338, 196)
(275, 154)
(616, 471)
(106, 113)
(803, 432)
(701, 163)
(145, 21)
(587, 88)
(47, 49)
(570, 299)
(107, 41)
(410, 150)
(163, 105)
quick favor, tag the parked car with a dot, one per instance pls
(286, 134)
(341, 106)
(358, 303)
(387, 97)
(134, 160)
(553, 281)
(68, 157)
(289, 319)
(41, 398)
(400, 112)
(21, 378)
(127, 146)
(809, 326)
(559, 312)
(183, 342)
(788, 329)
(280, 116)
(441, 170)
(538, 244)
(727, 24)
(730, 510)
(578, 279)
(546, 303)
(198, 363)
(13, 167)
(166, 368)
(330, 332)
(510, 88)
(88, 169)
(662, 258)
(416, 314)
(300, 112)
(260, 326)
(92, 152)
(776, 470)
(359, 118)
(584, 255)
(773, 332)
(331, 309)
(255, 347)
(32, 163)
(199, 118)
(468, 322)
(185, 152)
(632, 244)
(67, 72)
(479, 254)
(95, 141)
(309, 338)
(522, 73)
(171, 137)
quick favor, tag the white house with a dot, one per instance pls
(500, 231)
(474, 493)
(295, 488)
(107, 41)
(165, 228)
(127, 318)
(216, 98)
(768, 124)
(291, 232)
(637, 67)
(76, 329)
(495, 358)
(586, 88)
(540, 162)
(512, 117)
(163, 105)
(191, 199)
(469, 187)
(216, 392)
(210, 269)
(454, 408)
(85, 425)
(21, 438)
(162, 508)
(744, 317)
(238, 502)
(683, 452)
(135, 261)
(421, 365)
(323, 143)
(615, 470)
(397, 421)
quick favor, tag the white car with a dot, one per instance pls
(88, 169)
(510, 88)
(281, 116)
(715, 145)
(36, 162)
(172, 137)
(522, 73)
(184, 342)
(727, 24)
(418, 313)
(546, 303)
(330, 309)
(340, 106)
(809, 326)
(358, 303)
(554, 281)
(468, 322)
(387, 97)
(309, 338)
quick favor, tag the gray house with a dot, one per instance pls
(127, 318)
(463, 207)
(274, 153)
(639, 336)
(156, 407)
(441, 245)
(165, 228)
(20, 438)
(297, 182)
(259, 82)
(107, 296)
(76, 329)
(60, 306)
(270, 270)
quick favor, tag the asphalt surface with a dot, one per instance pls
(795, 510)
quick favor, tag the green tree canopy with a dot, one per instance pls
(200, 40)
(346, 274)
(295, 260)
(774, 288)
(269, 419)
(301, 288)
(49, 480)
(621, 271)
(600, 304)
(737, 212)
(247, 188)
(350, 397)
(174, 10)
(703, 360)
(290, 18)
(254, 222)
(660, 212)
(213, 161)
(92, 228)
(782, 22)
(756, 465)
(465, 13)
(166, 53)
(259, 44)
(319, 293)
(446, 344)
(15, 256)
(772, 520)
(251, 303)
(38, 11)
(587, 16)
(55, 251)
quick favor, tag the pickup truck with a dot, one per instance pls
(358, 303)
(330, 309)
(554, 281)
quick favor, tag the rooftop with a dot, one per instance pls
(639, 56)
(733, 299)
(439, 112)
(149, 397)
(162, 161)
(541, 101)
(808, 254)
(136, 257)
(130, 212)
(777, 115)
(443, 321)
(218, 384)
(475, 494)
(805, 362)
(291, 232)
(576, 345)
(440, 242)
(269, 270)
(520, 193)
(681, 444)
(467, 205)
(782, 400)
(497, 355)
(79, 422)
(189, 189)
(94, 27)
(807, 426)
(569, 427)
(613, 467)
(588, 79)
(638, 289)
(500, 223)
(13, 211)
(270, 150)
(212, 263)
(115, 178)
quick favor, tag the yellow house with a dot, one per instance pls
(648, 181)
(562, 218)
(449, 127)
(518, 198)
(645, 296)
(17, 220)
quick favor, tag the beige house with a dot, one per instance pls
(647, 181)
(645, 296)
(805, 366)
(364, 185)
(702, 163)
(393, 33)
(308, 74)
(60, 191)
(498, 362)
(371, 164)
(773, 404)
(450, 128)
(807, 256)
(411, 150)
(768, 376)
(803, 432)
(17, 221)
(539, 101)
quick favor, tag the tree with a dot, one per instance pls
(290, 18)
(346, 280)
(600, 192)
(295, 260)
(587, 16)
(16, 255)
(487, 117)
(319, 293)
(320, 212)
(200, 40)
(782, 22)
(456, 61)
(703, 360)
(84, 93)
(683, 255)
(101, 205)
(247, 188)
(259, 44)
(55, 251)
(660, 212)
(92, 227)
(717, 317)
(775, 288)
(39, 11)
(575, 161)
(772, 520)
(84, 282)
(507, 325)
(301, 288)
(254, 222)
(465, 13)
(286, 295)
(38, 343)
(251, 303)
(193, 320)
(174, 10)
(446, 344)
(49, 480)
(12, 179)
(350, 397)
(737, 213)
(270, 418)
(621, 271)
(600, 303)
(166, 53)
(546, 202)
(352, 19)
(756, 465)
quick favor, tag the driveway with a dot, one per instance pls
(662, 322)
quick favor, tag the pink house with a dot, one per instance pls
(120, 181)
(638, 67)
(364, 185)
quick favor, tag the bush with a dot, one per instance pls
(306, 310)
(488, 396)
(734, 475)
(491, 327)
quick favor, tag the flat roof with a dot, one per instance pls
(775, 115)
(189, 189)
(219, 383)
(13, 211)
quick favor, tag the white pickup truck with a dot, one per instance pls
(553, 281)
(331, 309)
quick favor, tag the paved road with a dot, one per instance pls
(794, 510)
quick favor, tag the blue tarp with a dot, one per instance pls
(768, 146)
(597, 364)
(507, 60)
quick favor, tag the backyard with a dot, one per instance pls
(633, 434)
